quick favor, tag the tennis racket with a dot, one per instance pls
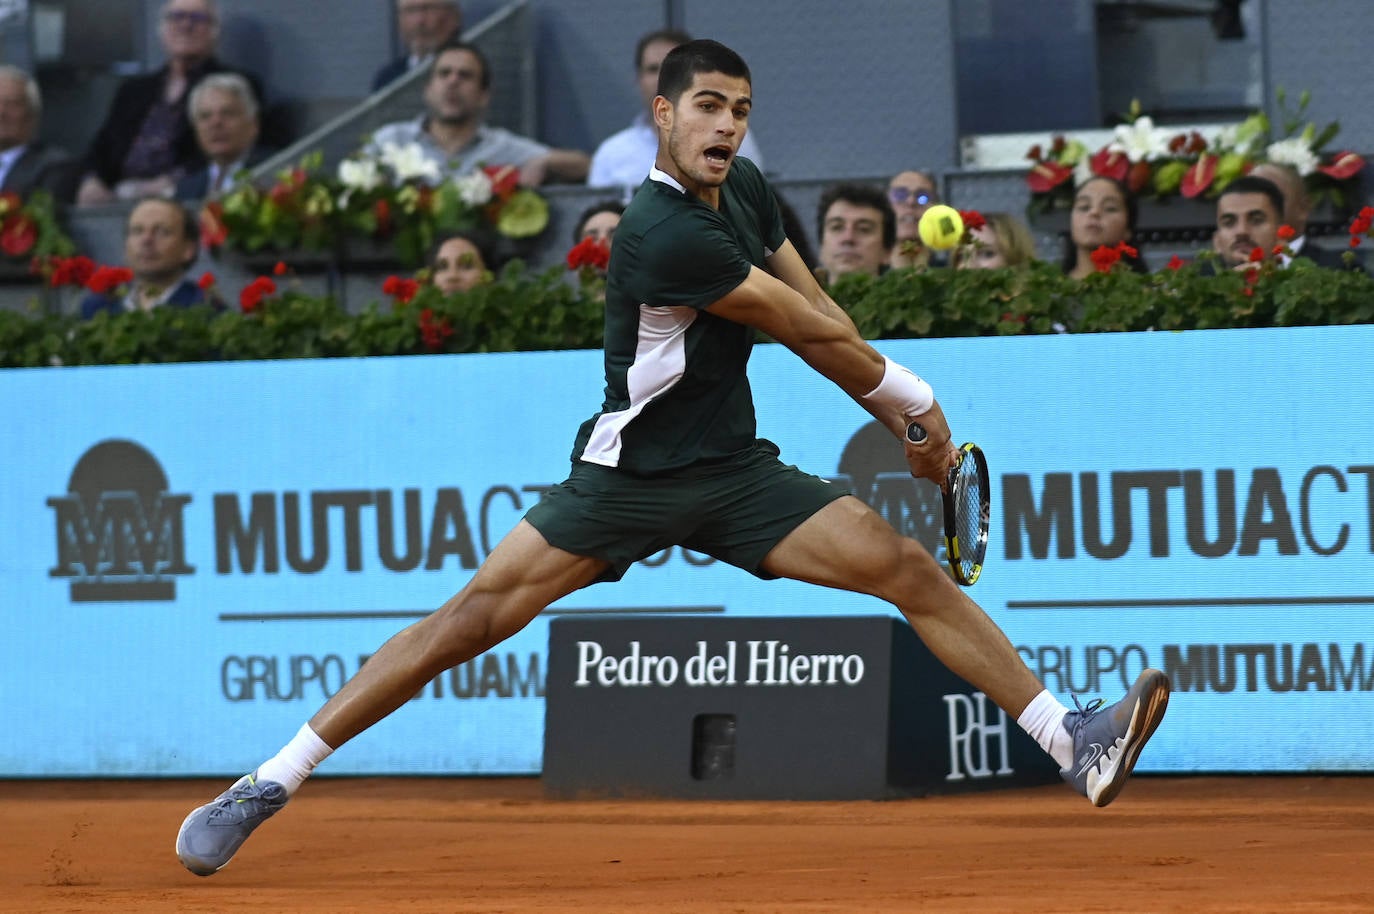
(967, 509)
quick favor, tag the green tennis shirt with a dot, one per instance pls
(676, 388)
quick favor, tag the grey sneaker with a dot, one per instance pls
(1107, 740)
(212, 834)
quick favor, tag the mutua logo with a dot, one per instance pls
(119, 531)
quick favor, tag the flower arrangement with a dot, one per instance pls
(588, 259)
(29, 232)
(1151, 161)
(394, 196)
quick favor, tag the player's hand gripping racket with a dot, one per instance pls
(967, 509)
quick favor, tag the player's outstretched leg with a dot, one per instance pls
(1107, 739)
(211, 834)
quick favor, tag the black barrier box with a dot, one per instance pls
(818, 708)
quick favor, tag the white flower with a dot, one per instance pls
(360, 174)
(409, 162)
(1293, 151)
(474, 188)
(1138, 141)
(1083, 171)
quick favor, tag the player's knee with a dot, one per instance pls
(911, 571)
(462, 629)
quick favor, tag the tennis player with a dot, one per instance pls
(699, 263)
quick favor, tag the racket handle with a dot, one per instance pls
(915, 433)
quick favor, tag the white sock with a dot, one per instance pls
(293, 764)
(1043, 719)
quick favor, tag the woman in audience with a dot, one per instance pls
(1003, 241)
(1104, 215)
(146, 142)
(598, 221)
(461, 262)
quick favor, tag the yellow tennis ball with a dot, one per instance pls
(941, 227)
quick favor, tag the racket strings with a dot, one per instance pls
(968, 495)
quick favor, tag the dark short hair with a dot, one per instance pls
(703, 55)
(605, 206)
(1252, 184)
(859, 195)
(472, 49)
(1070, 259)
(677, 36)
(481, 239)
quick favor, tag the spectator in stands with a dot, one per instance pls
(26, 164)
(424, 27)
(857, 228)
(224, 113)
(911, 193)
(161, 241)
(461, 262)
(146, 142)
(453, 136)
(1104, 215)
(1249, 212)
(1297, 208)
(624, 159)
(599, 221)
(1003, 241)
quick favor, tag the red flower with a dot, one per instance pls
(104, 280)
(1199, 177)
(206, 281)
(213, 231)
(1110, 164)
(1104, 258)
(1256, 255)
(433, 331)
(1125, 250)
(280, 269)
(1178, 143)
(250, 299)
(972, 219)
(403, 290)
(1287, 233)
(1344, 165)
(71, 271)
(1175, 263)
(589, 252)
(1138, 177)
(1252, 276)
(1035, 154)
(1354, 241)
(18, 235)
(504, 179)
(1046, 176)
(382, 211)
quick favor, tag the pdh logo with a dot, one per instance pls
(119, 531)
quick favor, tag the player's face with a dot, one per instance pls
(705, 128)
(1245, 222)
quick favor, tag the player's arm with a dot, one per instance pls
(787, 265)
(831, 345)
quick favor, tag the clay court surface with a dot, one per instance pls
(474, 845)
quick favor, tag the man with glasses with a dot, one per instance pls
(424, 27)
(146, 142)
(911, 193)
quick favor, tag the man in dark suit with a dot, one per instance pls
(161, 241)
(224, 115)
(1297, 207)
(26, 165)
(424, 27)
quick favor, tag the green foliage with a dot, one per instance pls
(522, 311)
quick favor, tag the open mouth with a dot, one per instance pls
(719, 155)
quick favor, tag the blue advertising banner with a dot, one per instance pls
(194, 557)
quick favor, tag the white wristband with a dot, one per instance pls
(902, 389)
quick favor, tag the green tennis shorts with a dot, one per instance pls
(736, 510)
